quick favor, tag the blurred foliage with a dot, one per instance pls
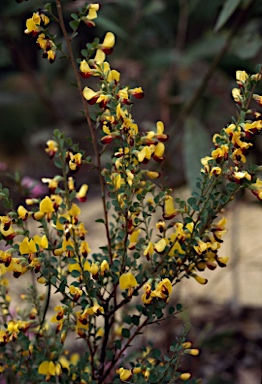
(166, 46)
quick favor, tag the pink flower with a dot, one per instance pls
(34, 187)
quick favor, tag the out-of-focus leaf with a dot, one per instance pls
(154, 6)
(197, 145)
(162, 58)
(12, 9)
(247, 46)
(228, 9)
(208, 46)
(192, 5)
(109, 25)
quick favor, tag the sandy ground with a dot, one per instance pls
(239, 284)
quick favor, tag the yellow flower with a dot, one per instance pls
(75, 161)
(160, 245)
(146, 297)
(258, 99)
(201, 247)
(108, 43)
(241, 77)
(163, 289)
(241, 175)
(160, 135)
(124, 374)
(145, 154)
(51, 148)
(46, 205)
(137, 92)
(84, 248)
(33, 25)
(76, 292)
(93, 269)
(99, 57)
(149, 250)
(192, 351)
(27, 246)
(49, 368)
(199, 279)
(74, 210)
(90, 95)
(133, 239)
(104, 267)
(169, 208)
(22, 212)
(159, 151)
(42, 242)
(127, 281)
(118, 181)
(185, 376)
(81, 194)
(152, 174)
(237, 95)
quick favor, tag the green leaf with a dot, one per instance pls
(135, 320)
(75, 273)
(109, 25)
(153, 7)
(197, 145)
(125, 333)
(84, 52)
(171, 310)
(227, 11)
(74, 16)
(100, 221)
(118, 344)
(74, 24)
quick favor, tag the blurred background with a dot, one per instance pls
(184, 53)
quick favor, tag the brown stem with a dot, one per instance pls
(88, 119)
(120, 353)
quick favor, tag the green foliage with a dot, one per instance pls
(106, 300)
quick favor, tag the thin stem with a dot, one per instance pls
(88, 119)
(120, 353)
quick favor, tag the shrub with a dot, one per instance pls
(106, 299)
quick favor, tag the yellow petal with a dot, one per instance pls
(160, 127)
(160, 245)
(127, 280)
(88, 93)
(109, 40)
(46, 205)
(43, 368)
(99, 57)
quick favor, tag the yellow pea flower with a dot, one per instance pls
(199, 279)
(49, 368)
(163, 289)
(46, 205)
(127, 281)
(27, 246)
(160, 245)
(22, 212)
(81, 194)
(241, 77)
(108, 43)
(124, 374)
(149, 250)
(185, 376)
(169, 208)
(133, 239)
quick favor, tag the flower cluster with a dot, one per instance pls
(104, 299)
